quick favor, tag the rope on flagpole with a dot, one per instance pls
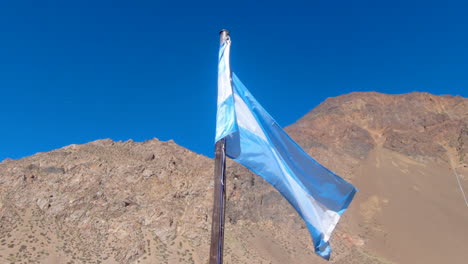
(459, 185)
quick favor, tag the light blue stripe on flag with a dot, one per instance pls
(258, 142)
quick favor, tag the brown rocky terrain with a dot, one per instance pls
(150, 202)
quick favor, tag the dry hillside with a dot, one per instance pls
(150, 202)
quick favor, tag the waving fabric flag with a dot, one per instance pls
(255, 140)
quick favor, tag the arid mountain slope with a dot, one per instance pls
(150, 202)
(419, 125)
(402, 152)
(105, 201)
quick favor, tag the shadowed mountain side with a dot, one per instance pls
(150, 202)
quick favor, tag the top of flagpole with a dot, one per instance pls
(223, 36)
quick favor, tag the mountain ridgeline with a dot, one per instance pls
(150, 202)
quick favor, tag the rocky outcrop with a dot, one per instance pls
(419, 125)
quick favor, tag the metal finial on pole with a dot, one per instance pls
(217, 224)
(223, 36)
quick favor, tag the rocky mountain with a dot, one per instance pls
(404, 153)
(150, 202)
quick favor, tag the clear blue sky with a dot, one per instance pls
(79, 71)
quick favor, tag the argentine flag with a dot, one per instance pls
(255, 140)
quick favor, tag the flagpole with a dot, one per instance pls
(217, 224)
